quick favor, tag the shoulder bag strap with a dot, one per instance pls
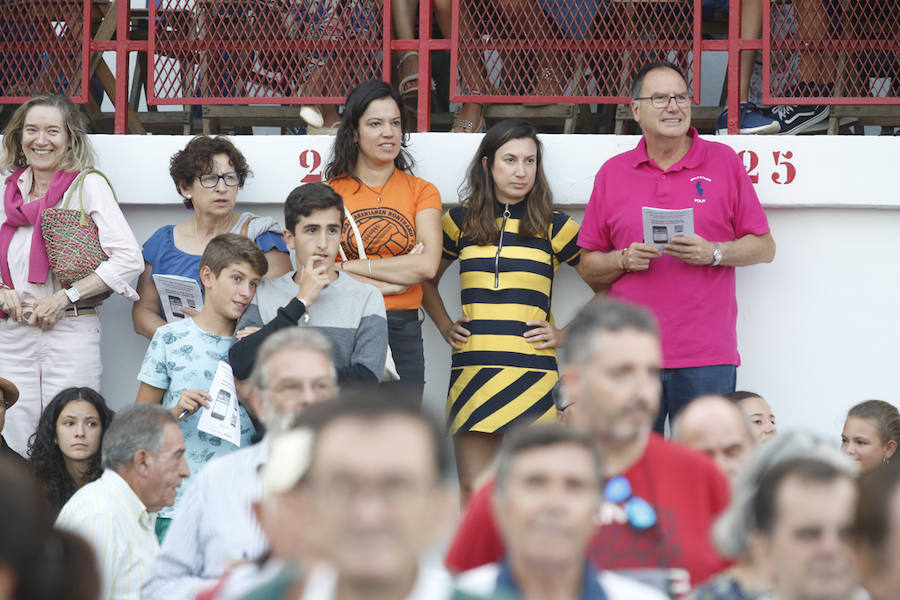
(245, 228)
(356, 234)
(79, 185)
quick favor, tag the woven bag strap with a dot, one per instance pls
(79, 184)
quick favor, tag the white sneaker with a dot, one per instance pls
(311, 115)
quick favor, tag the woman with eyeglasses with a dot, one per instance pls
(207, 173)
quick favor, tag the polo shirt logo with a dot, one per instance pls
(698, 182)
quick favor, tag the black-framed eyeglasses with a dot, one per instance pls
(662, 100)
(211, 180)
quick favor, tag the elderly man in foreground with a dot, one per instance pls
(143, 458)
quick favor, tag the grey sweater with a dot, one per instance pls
(349, 312)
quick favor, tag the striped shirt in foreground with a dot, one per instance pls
(109, 515)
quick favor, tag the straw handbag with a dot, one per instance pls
(72, 240)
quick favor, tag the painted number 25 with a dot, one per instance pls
(783, 171)
(311, 161)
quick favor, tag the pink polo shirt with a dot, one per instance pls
(695, 305)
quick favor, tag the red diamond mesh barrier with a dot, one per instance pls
(833, 51)
(566, 50)
(42, 49)
(251, 51)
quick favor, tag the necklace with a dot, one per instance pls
(37, 192)
(383, 186)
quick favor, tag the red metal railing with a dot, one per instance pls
(257, 51)
(314, 51)
(575, 51)
(845, 51)
(44, 48)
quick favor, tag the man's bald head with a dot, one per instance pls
(717, 427)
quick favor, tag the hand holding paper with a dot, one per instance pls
(180, 296)
(692, 250)
(190, 402)
(637, 256)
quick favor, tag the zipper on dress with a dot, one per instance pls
(500, 247)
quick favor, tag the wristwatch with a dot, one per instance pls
(73, 295)
(305, 316)
(717, 254)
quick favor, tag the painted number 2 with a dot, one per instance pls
(751, 163)
(784, 172)
(311, 161)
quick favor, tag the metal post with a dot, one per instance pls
(423, 102)
(734, 66)
(121, 99)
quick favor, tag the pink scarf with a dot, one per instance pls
(19, 214)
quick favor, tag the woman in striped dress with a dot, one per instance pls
(509, 242)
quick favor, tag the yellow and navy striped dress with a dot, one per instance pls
(498, 380)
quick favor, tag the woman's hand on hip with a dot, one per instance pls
(11, 305)
(49, 310)
(456, 334)
(544, 335)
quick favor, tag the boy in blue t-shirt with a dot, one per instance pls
(183, 355)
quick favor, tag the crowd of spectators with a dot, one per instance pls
(325, 478)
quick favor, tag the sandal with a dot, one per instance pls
(409, 85)
(466, 125)
(547, 85)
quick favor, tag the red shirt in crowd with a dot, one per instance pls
(684, 487)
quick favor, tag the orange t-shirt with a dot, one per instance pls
(388, 228)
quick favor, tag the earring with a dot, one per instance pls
(885, 460)
(188, 196)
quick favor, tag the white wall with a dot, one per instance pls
(816, 327)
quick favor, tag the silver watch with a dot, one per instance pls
(73, 295)
(717, 254)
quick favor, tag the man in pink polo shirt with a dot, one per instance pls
(689, 285)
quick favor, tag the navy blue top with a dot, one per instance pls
(166, 259)
(590, 587)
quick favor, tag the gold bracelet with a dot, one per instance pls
(624, 268)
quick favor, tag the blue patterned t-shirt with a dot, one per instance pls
(183, 357)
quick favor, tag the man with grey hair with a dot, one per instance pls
(684, 274)
(660, 498)
(143, 460)
(548, 489)
(215, 528)
(718, 428)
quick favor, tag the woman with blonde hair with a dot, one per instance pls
(50, 332)
(871, 434)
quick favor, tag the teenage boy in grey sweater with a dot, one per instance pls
(318, 294)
